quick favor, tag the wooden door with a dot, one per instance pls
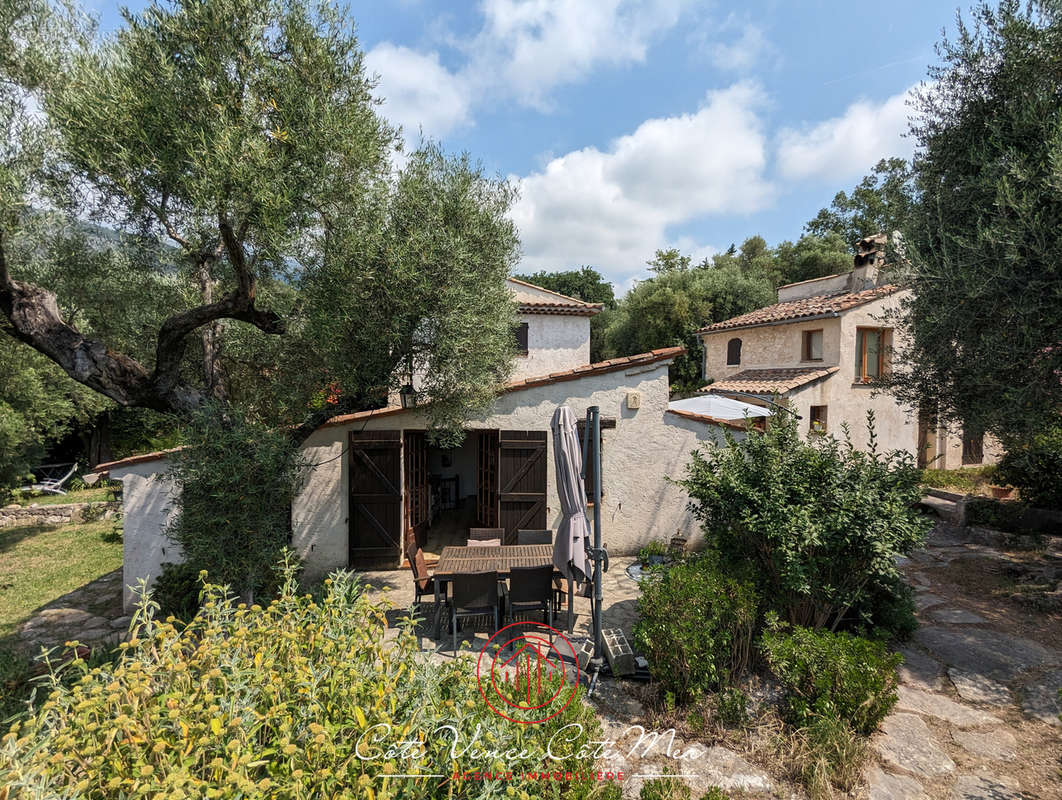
(415, 453)
(375, 497)
(487, 479)
(521, 482)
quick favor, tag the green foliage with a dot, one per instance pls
(826, 753)
(269, 703)
(669, 788)
(176, 590)
(832, 675)
(235, 483)
(986, 241)
(585, 283)
(965, 479)
(882, 203)
(731, 705)
(651, 551)
(696, 626)
(1034, 465)
(819, 523)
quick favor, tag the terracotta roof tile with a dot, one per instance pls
(817, 306)
(533, 299)
(770, 381)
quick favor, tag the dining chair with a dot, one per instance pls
(534, 537)
(423, 581)
(476, 594)
(531, 590)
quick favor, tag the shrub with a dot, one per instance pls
(696, 626)
(732, 706)
(269, 702)
(827, 753)
(176, 590)
(966, 479)
(1033, 465)
(832, 675)
(236, 481)
(821, 522)
(887, 612)
(669, 788)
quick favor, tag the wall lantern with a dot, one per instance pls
(408, 395)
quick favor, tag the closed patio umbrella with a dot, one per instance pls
(573, 536)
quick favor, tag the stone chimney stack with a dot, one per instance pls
(869, 258)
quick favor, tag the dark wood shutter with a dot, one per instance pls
(521, 338)
(521, 481)
(487, 478)
(375, 496)
(733, 352)
(415, 453)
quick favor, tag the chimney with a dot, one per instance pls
(869, 258)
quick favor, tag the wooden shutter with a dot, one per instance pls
(415, 453)
(487, 478)
(521, 338)
(521, 482)
(375, 496)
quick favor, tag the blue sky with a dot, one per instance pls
(637, 124)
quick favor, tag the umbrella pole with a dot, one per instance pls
(571, 605)
(594, 412)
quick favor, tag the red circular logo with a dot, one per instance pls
(523, 675)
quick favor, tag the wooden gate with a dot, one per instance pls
(375, 496)
(416, 480)
(487, 478)
(521, 482)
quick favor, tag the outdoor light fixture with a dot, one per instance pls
(408, 396)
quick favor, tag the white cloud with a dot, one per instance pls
(849, 145)
(740, 54)
(418, 91)
(523, 50)
(613, 208)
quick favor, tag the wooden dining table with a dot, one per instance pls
(456, 561)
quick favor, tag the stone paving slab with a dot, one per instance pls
(985, 787)
(978, 688)
(920, 670)
(986, 652)
(1040, 700)
(936, 705)
(956, 616)
(883, 785)
(999, 745)
(907, 744)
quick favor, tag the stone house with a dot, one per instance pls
(379, 488)
(820, 351)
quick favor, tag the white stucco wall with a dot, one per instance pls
(768, 346)
(555, 343)
(147, 497)
(646, 445)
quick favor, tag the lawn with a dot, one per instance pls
(94, 495)
(39, 564)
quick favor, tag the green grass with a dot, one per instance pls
(82, 496)
(968, 480)
(39, 564)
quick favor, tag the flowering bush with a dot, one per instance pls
(273, 702)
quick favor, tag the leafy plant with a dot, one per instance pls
(176, 590)
(817, 525)
(826, 753)
(271, 702)
(966, 479)
(1034, 465)
(832, 675)
(731, 705)
(236, 481)
(696, 627)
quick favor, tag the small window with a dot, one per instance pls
(817, 417)
(521, 339)
(813, 345)
(973, 447)
(870, 354)
(733, 352)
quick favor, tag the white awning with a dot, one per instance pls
(712, 405)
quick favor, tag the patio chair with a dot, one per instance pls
(534, 537)
(423, 581)
(50, 478)
(485, 537)
(475, 595)
(531, 590)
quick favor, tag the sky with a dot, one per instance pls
(634, 125)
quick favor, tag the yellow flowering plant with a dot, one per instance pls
(310, 697)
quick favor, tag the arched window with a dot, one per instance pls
(733, 352)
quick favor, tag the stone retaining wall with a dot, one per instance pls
(57, 514)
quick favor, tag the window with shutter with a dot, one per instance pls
(733, 352)
(521, 339)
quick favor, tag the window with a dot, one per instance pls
(733, 352)
(521, 339)
(813, 345)
(870, 354)
(817, 417)
(973, 447)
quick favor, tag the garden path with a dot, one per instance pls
(977, 717)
